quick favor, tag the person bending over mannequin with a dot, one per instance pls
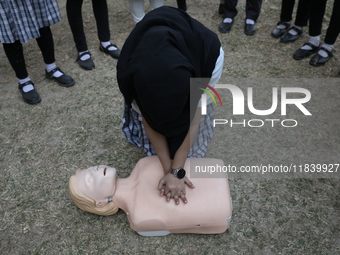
(98, 190)
(163, 52)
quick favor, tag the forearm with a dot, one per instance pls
(183, 151)
(160, 145)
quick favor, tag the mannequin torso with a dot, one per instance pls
(207, 211)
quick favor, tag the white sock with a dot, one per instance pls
(327, 47)
(281, 26)
(314, 40)
(28, 87)
(293, 32)
(227, 20)
(86, 56)
(105, 44)
(250, 21)
(50, 67)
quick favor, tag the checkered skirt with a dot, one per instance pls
(135, 133)
(22, 19)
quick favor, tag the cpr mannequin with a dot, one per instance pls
(208, 211)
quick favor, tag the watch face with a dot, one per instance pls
(180, 173)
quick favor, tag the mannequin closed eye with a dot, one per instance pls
(98, 182)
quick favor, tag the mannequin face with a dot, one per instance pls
(98, 183)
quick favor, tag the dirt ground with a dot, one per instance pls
(78, 127)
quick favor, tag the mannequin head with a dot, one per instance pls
(92, 190)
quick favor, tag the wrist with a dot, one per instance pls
(178, 172)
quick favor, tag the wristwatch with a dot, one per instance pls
(179, 172)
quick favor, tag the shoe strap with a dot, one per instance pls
(299, 31)
(83, 54)
(286, 24)
(107, 47)
(310, 45)
(330, 54)
(54, 70)
(25, 84)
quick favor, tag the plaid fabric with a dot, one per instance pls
(135, 133)
(22, 19)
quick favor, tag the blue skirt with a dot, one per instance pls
(135, 133)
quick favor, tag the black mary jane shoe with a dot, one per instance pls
(64, 80)
(85, 64)
(301, 53)
(250, 29)
(225, 27)
(288, 37)
(318, 60)
(113, 53)
(30, 97)
(278, 32)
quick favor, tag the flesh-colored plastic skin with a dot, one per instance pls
(207, 210)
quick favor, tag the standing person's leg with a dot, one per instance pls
(229, 13)
(137, 10)
(220, 7)
(101, 15)
(52, 72)
(253, 9)
(15, 56)
(334, 24)
(301, 20)
(182, 4)
(333, 30)
(229, 9)
(287, 7)
(286, 16)
(317, 12)
(75, 20)
(156, 3)
(302, 13)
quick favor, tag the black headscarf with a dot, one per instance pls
(159, 57)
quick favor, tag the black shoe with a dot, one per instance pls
(30, 97)
(85, 64)
(301, 54)
(318, 60)
(225, 27)
(250, 29)
(278, 32)
(113, 53)
(287, 38)
(220, 9)
(64, 80)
